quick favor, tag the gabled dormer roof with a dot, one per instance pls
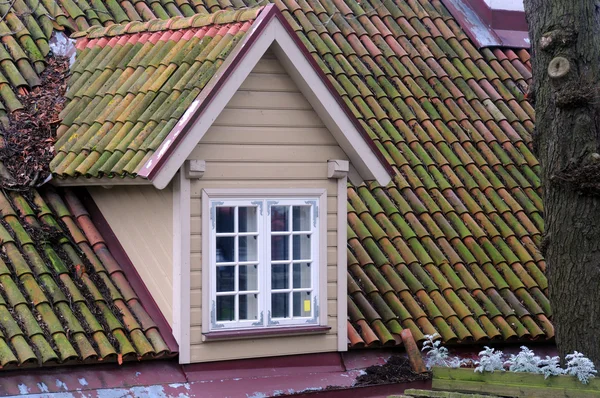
(142, 95)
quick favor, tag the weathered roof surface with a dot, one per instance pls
(132, 83)
(27, 26)
(452, 245)
(63, 296)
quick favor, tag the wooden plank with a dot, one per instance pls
(195, 280)
(332, 222)
(332, 323)
(269, 82)
(267, 153)
(195, 261)
(512, 390)
(268, 100)
(195, 243)
(196, 206)
(196, 298)
(331, 273)
(196, 317)
(331, 291)
(196, 335)
(268, 117)
(269, 65)
(332, 205)
(263, 347)
(332, 238)
(290, 135)
(512, 378)
(331, 255)
(332, 308)
(251, 183)
(216, 170)
(196, 225)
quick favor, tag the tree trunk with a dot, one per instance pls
(565, 41)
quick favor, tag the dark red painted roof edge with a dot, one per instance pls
(488, 27)
(500, 19)
(178, 133)
(133, 277)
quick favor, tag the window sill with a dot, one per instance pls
(265, 332)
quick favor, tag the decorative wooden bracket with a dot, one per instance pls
(337, 168)
(194, 169)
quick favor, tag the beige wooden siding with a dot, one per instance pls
(142, 219)
(268, 136)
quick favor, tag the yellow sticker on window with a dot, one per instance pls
(306, 305)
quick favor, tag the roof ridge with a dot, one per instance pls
(220, 17)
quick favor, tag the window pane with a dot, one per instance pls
(279, 218)
(280, 276)
(302, 303)
(248, 306)
(280, 248)
(302, 275)
(247, 219)
(280, 305)
(225, 217)
(225, 249)
(302, 247)
(248, 250)
(225, 308)
(226, 279)
(248, 277)
(301, 218)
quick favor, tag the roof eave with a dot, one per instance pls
(103, 181)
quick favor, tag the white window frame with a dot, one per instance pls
(223, 202)
(268, 198)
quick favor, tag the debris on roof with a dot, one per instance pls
(63, 46)
(28, 140)
(396, 370)
(64, 298)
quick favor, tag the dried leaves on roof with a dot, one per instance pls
(28, 144)
(395, 370)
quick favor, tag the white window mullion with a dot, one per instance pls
(264, 257)
(267, 264)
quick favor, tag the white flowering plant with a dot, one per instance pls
(580, 366)
(550, 366)
(524, 361)
(490, 360)
(436, 354)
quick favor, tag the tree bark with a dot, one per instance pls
(565, 41)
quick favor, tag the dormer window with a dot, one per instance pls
(264, 262)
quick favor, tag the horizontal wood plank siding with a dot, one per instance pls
(268, 136)
(142, 219)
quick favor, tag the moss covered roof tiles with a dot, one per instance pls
(64, 298)
(452, 245)
(131, 84)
